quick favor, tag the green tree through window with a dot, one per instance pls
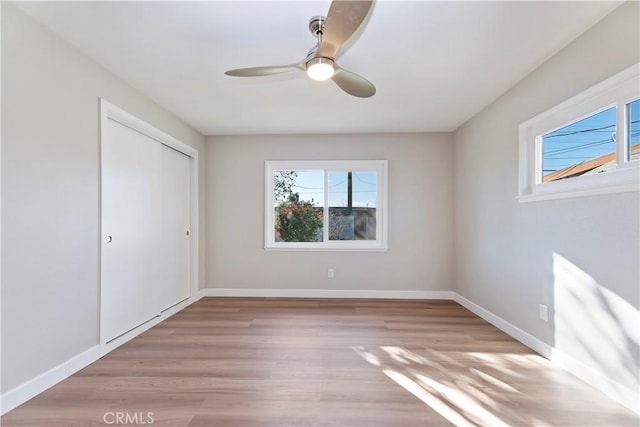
(298, 221)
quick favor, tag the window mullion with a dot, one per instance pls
(537, 156)
(621, 134)
(379, 204)
(325, 210)
(269, 225)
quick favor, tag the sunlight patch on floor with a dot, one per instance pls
(465, 391)
(434, 402)
(493, 380)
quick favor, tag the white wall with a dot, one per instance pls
(579, 256)
(50, 194)
(420, 215)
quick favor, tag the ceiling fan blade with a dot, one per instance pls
(343, 20)
(264, 71)
(353, 84)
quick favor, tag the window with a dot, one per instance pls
(584, 147)
(633, 130)
(589, 144)
(326, 205)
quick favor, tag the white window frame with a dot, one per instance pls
(379, 166)
(617, 91)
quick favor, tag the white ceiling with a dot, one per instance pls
(435, 64)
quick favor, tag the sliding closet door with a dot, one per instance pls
(174, 284)
(131, 202)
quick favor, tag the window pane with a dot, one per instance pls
(581, 148)
(634, 130)
(352, 205)
(298, 197)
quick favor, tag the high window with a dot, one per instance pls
(589, 144)
(326, 205)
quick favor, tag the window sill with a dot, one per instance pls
(582, 192)
(290, 248)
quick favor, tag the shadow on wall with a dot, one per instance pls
(595, 328)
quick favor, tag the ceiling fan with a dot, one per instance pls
(342, 21)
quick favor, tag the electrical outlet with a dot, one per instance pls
(544, 312)
(330, 273)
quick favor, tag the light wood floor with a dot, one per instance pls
(307, 362)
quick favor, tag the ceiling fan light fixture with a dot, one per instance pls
(320, 69)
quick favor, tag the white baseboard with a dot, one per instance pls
(525, 338)
(200, 294)
(616, 391)
(20, 394)
(325, 293)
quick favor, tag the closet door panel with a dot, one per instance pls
(176, 219)
(131, 206)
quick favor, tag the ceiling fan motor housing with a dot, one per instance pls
(316, 25)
